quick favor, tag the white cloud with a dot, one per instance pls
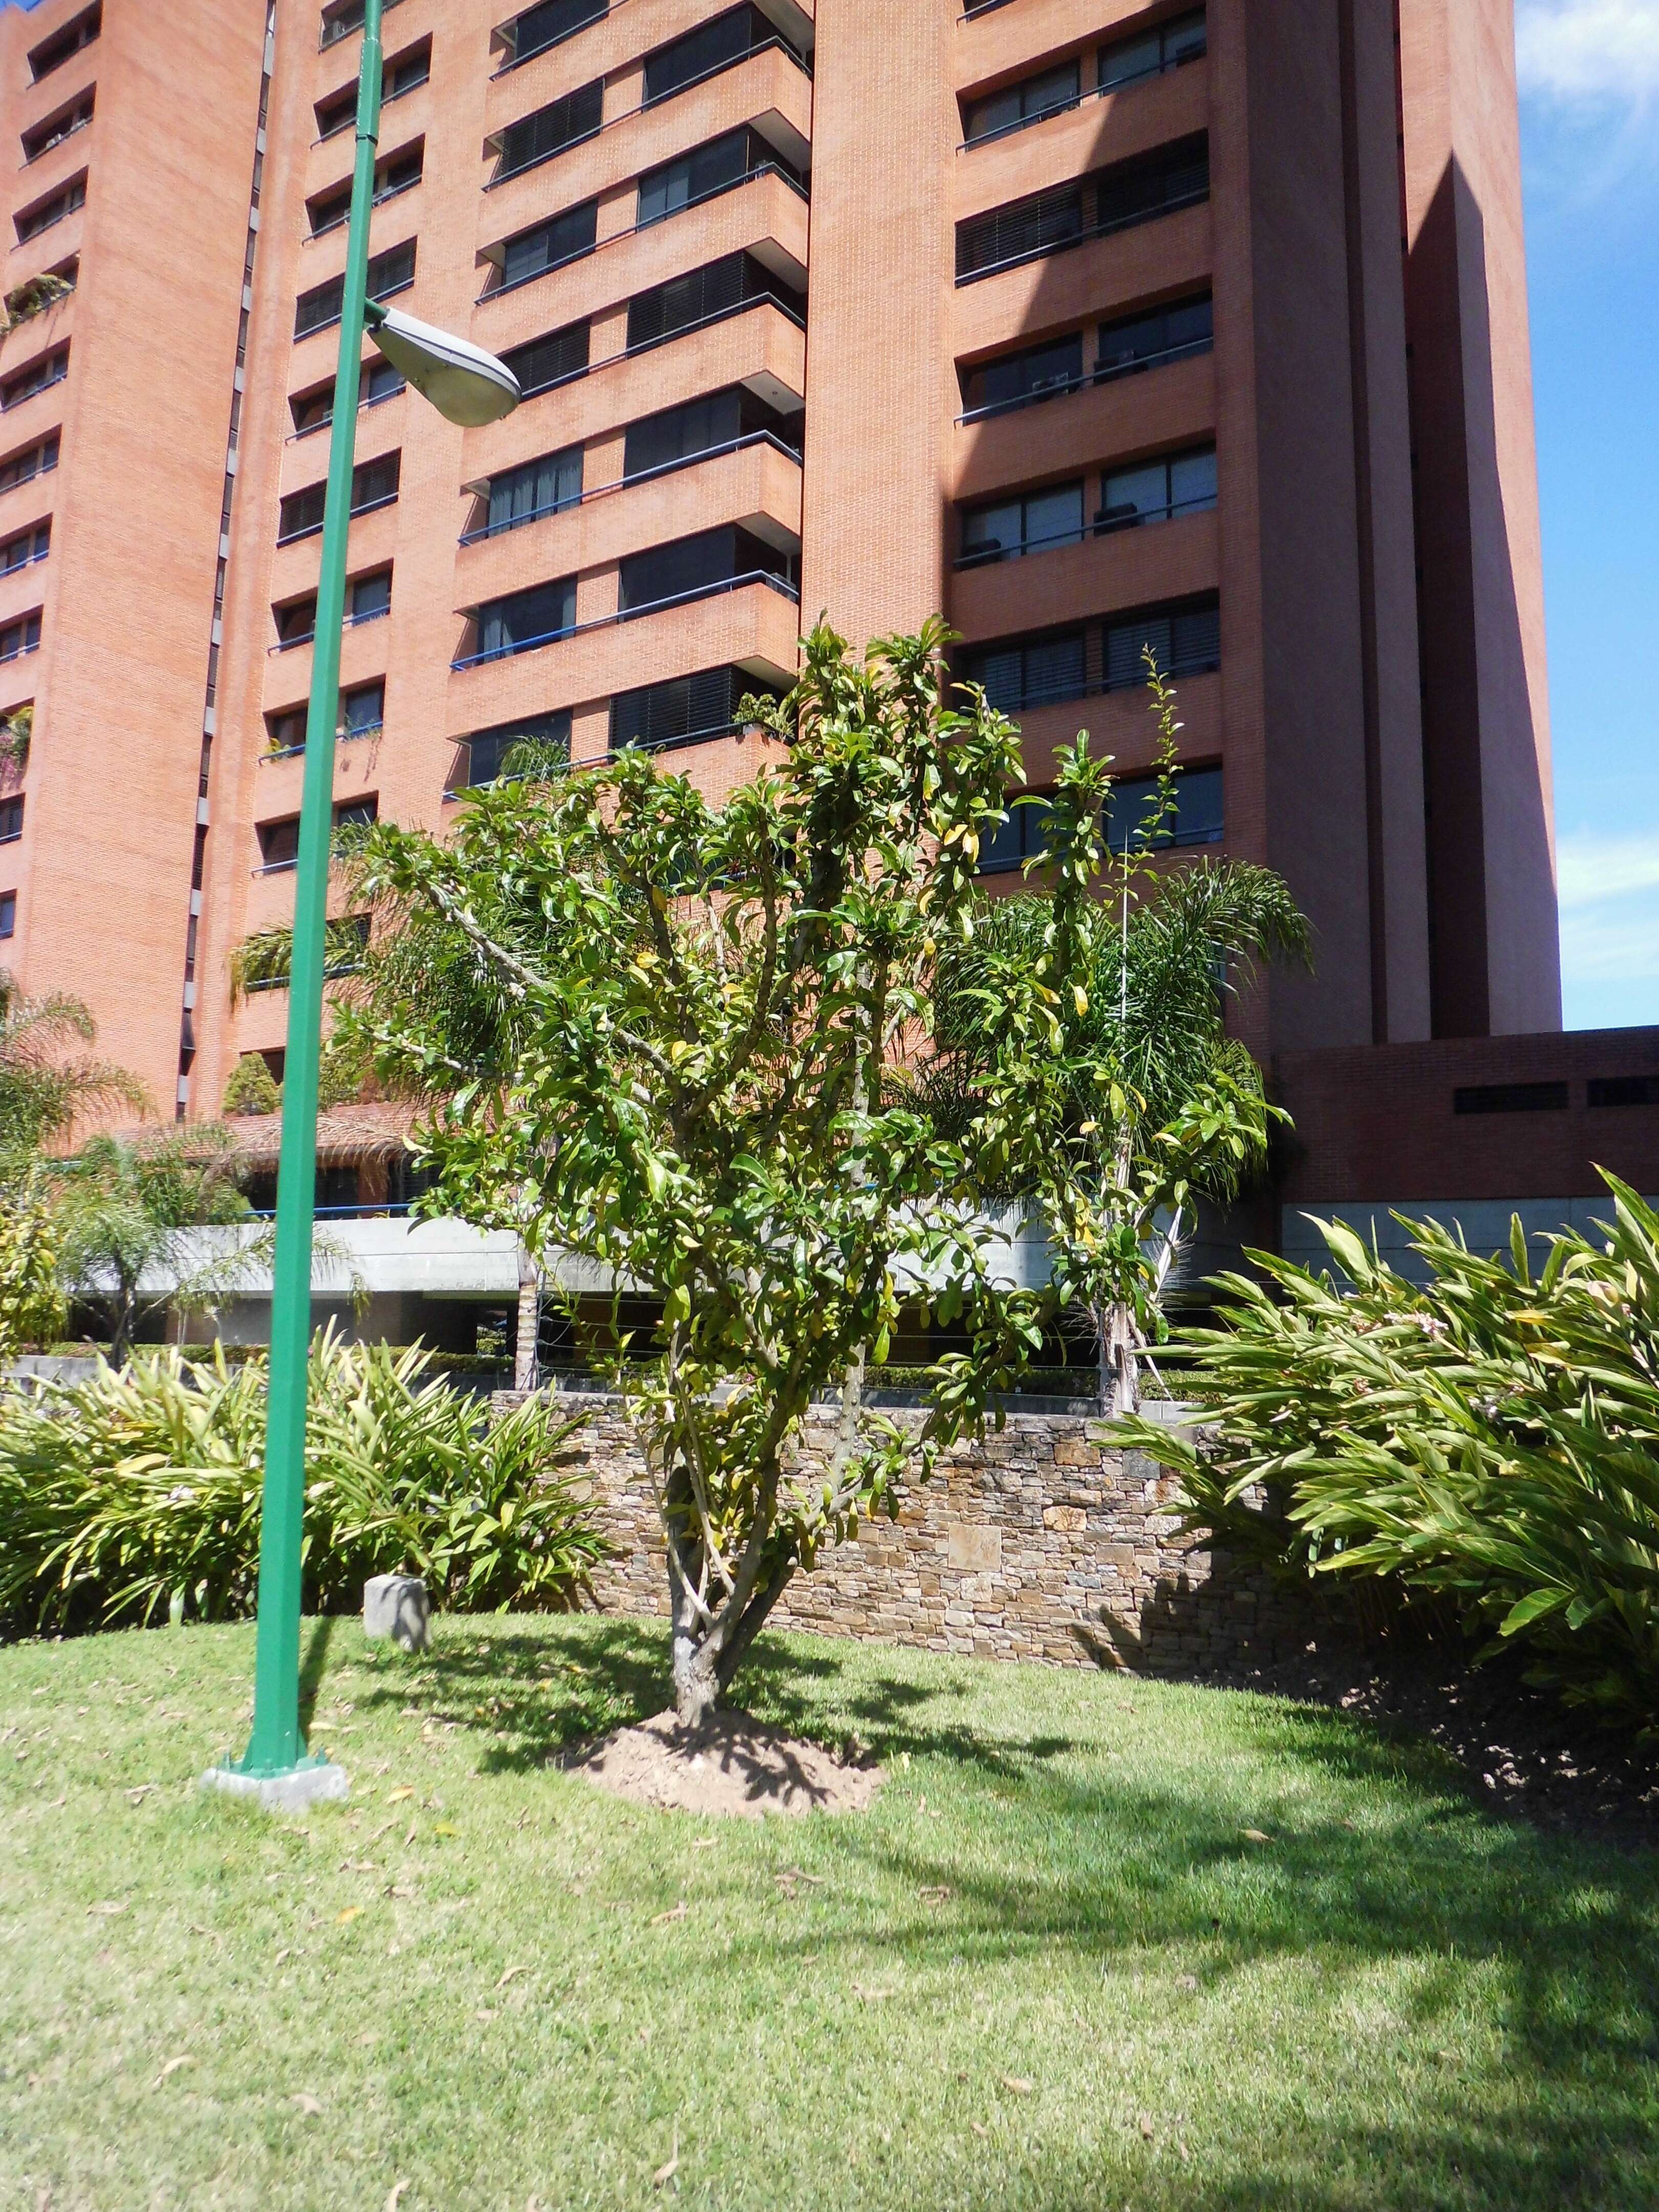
(1609, 906)
(1588, 51)
(1594, 868)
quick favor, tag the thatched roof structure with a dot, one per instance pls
(347, 1136)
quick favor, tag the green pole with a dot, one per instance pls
(276, 1746)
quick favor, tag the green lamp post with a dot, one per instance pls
(468, 386)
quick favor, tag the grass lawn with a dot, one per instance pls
(1051, 1970)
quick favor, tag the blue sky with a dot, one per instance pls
(1589, 72)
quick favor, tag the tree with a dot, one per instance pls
(41, 1089)
(252, 1088)
(1152, 1104)
(131, 1213)
(682, 1041)
(31, 1304)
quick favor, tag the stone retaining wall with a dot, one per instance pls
(1034, 1543)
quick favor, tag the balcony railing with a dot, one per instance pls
(309, 637)
(341, 736)
(711, 591)
(1106, 522)
(1103, 372)
(626, 483)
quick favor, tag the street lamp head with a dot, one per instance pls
(464, 384)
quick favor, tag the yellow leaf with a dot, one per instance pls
(397, 1796)
(173, 2066)
(444, 1828)
(1255, 1836)
(1014, 2081)
(351, 1912)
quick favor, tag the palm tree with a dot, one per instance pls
(41, 1090)
(1158, 1107)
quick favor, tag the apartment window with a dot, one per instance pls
(31, 221)
(1511, 1098)
(703, 426)
(703, 296)
(538, 29)
(1135, 343)
(312, 410)
(1030, 522)
(62, 46)
(1185, 641)
(1623, 1090)
(373, 483)
(523, 620)
(730, 159)
(1159, 491)
(341, 18)
(11, 820)
(1029, 672)
(1047, 93)
(8, 913)
(389, 272)
(535, 488)
(20, 636)
(405, 72)
(366, 598)
(1040, 372)
(397, 173)
(1127, 61)
(1136, 820)
(38, 376)
(551, 130)
(33, 461)
(56, 128)
(1108, 200)
(285, 731)
(684, 710)
(549, 245)
(1020, 838)
(27, 545)
(549, 360)
(279, 842)
(487, 751)
(363, 709)
(711, 47)
(691, 566)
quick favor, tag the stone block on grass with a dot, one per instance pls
(397, 1605)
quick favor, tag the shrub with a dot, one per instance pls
(1491, 1439)
(252, 1089)
(121, 1494)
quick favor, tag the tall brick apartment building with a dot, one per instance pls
(1092, 323)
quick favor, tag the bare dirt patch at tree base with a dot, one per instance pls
(733, 1766)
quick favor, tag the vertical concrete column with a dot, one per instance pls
(884, 129)
(1487, 741)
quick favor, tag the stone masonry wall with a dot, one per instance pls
(1034, 1543)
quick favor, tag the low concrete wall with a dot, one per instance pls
(1035, 1543)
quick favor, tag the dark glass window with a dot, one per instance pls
(341, 18)
(1512, 1098)
(523, 619)
(279, 842)
(1027, 673)
(11, 820)
(702, 295)
(1110, 199)
(1127, 61)
(1040, 372)
(389, 272)
(1046, 94)
(1185, 641)
(31, 221)
(62, 46)
(563, 122)
(285, 730)
(27, 545)
(1140, 342)
(361, 709)
(1030, 522)
(489, 752)
(38, 375)
(535, 488)
(544, 362)
(1023, 834)
(312, 410)
(8, 913)
(396, 173)
(33, 461)
(703, 426)
(549, 245)
(1134, 820)
(690, 566)
(716, 45)
(404, 72)
(1159, 491)
(56, 128)
(540, 27)
(713, 167)
(684, 710)
(373, 483)
(1623, 1090)
(369, 597)
(20, 636)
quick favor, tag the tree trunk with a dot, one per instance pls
(527, 1348)
(1120, 1363)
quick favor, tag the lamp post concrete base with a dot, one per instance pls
(315, 1781)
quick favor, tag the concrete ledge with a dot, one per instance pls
(317, 1782)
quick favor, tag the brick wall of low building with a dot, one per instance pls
(1034, 1543)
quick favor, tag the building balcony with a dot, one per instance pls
(1097, 132)
(754, 479)
(294, 566)
(1151, 261)
(1120, 728)
(996, 41)
(1044, 590)
(1146, 411)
